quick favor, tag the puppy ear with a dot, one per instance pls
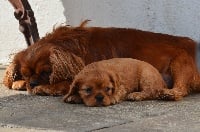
(114, 78)
(73, 95)
(65, 65)
(74, 87)
(119, 91)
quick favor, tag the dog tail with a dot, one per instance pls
(85, 22)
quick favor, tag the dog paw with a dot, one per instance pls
(74, 99)
(19, 85)
(170, 95)
(39, 90)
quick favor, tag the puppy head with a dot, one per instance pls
(47, 64)
(95, 88)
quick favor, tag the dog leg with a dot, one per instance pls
(19, 85)
(183, 71)
(58, 89)
(175, 94)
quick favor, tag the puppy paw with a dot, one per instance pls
(19, 85)
(74, 99)
(114, 100)
(135, 97)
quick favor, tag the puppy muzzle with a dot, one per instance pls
(99, 98)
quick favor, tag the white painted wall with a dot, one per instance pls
(178, 17)
(47, 13)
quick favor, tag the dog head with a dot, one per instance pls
(56, 57)
(46, 64)
(95, 88)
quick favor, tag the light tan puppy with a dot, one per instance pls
(110, 81)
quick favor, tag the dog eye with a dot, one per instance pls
(88, 90)
(45, 74)
(26, 75)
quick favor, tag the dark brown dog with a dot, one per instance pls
(49, 66)
(111, 81)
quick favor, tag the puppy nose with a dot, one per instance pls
(99, 98)
(33, 84)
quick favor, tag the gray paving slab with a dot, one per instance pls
(22, 112)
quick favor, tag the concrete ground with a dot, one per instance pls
(25, 113)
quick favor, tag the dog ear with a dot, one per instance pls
(12, 73)
(65, 65)
(9, 76)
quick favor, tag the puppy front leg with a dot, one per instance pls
(137, 96)
(57, 89)
(119, 95)
(74, 99)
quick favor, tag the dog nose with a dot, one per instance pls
(99, 98)
(33, 84)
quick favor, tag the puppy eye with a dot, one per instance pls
(88, 90)
(108, 89)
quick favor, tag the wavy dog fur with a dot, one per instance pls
(49, 65)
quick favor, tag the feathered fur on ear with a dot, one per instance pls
(114, 78)
(74, 87)
(73, 96)
(11, 74)
(65, 65)
(119, 91)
